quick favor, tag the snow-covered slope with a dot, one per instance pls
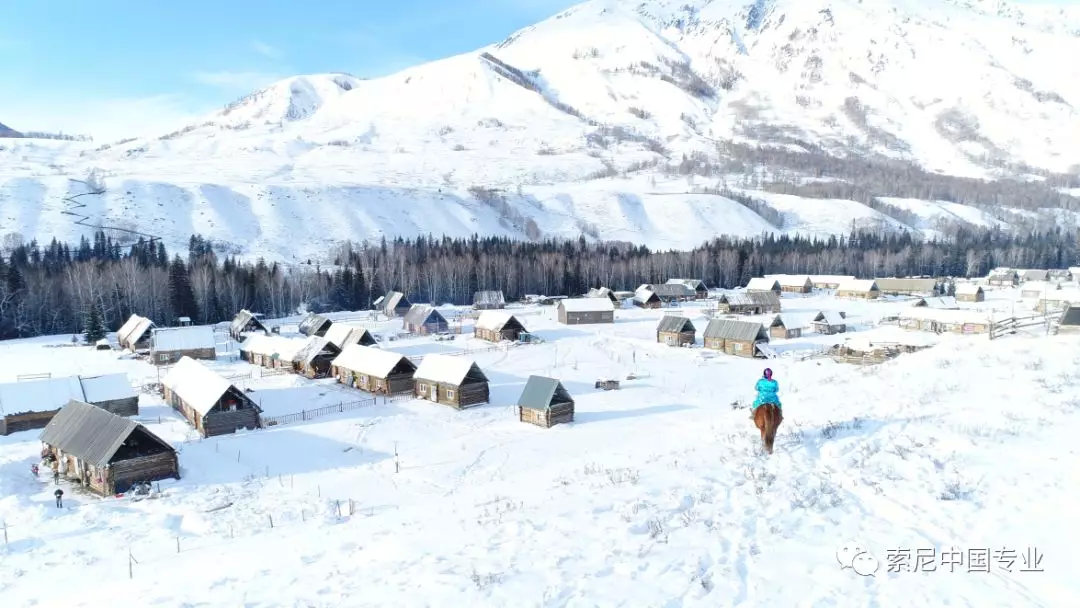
(6, 131)
(606, 88)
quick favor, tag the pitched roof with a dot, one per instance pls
(539, 392)
(195, 384)
(90, 433)
(496, 320)
(830, 317)
(313, 347)
(495, 298)
(136, 328)
(729, 329)
(762, 284)
(791, 280)
(695, 284)
(48, 394)
(968, 289)
(864, 285)
(587, 305)
(1035, 275)
(107, 387)
(673, 324)
(946, 316)
(394, 300)
(312, 323)
(343, 334)
(1071, 316)
(645, 295)
(894, 284)
(241, 320)
(786, 321)
(939, 302)
(421, 314)
(183, 338)
(286, 349)
(673, 290)
(370, 361)
(448, 369)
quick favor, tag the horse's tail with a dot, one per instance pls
(773, 418)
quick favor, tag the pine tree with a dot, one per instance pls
(181, 295)
(95, 323)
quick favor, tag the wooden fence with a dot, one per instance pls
(303, 415)
(1009, 326)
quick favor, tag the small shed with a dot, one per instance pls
(545, 402)
(1003, 278)
(31, 404)
(830, 281)
(169, 344)
(107, 453)
(582, 311)
(938, 302)
(1069, 323)
(763, 284)
(450, 380)
(497, 325)
(969, 292)
(829, 322)
(749, 303)
(863, 289)
(374, 370)
(245, 321)
(395, 304)
(675, 331)
(701, 291)
(343, 334)
(102, 344)
(183, 321)
(602, 292)
(646, 298)
(783, 327)
(793, 283)
(489, 300)
(134, 335)
(424, 319)
(316, 357)
(315, 325)
(208, 401)
(739, 338)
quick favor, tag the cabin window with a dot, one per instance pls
(363, 380)
(423, 389)
(449, 394)
(737, 346)
(378, 384)
(163, 357)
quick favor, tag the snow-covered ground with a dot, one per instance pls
(656, 495)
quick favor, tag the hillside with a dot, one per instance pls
(6, 131)
(591, 122)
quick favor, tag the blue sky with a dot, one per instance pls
(112, 68)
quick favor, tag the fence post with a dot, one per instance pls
(338, 504)
(341, 406)
(5, 533)
(271, 516)
(178, 544)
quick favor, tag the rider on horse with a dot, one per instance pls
(766, 388)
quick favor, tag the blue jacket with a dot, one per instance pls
(766, 392)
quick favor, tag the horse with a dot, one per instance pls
(767, 418)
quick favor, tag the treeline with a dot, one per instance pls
(57, 288)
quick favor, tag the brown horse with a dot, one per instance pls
(768, 417)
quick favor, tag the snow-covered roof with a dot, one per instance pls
(587, 305)
(762, 284)
(790, 280)
(195, 384)
(489, 298)
(691, 283)
(447, 369)
(313, 347)
(285, 348)
(134, 330)
(1071, 295)
(730, 329)
(968, 289)
(830, 317)
(1039, 286)
(939, 302)
(371, 361)
(343, 334)
(423, 314)
(494, 320)
(183, 338)
(863, 285)
(109, 387)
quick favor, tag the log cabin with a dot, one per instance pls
(244, 322)
(374, 370)
(584, 311)
(739, 338)
(545, 402)
(315, 325)
(423, 319)
(208, 401)
(676, 331)
(450, 380)
(31, 404)
(497, 325)
(168, 345)
(134, 334)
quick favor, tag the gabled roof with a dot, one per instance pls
(313, 323)
(938, 302)
(729, 329)
(279, 347)
(645, 295)
(343, 334)
(195, 384)
(312, 348)
(90, 433)
(394, 300)
(422, 314)
(946, 316)
(830, 317)
(241, 320)
(863, 285)
(695, 284)
(673, 324)
(371, 361)
(1070, 317)
(489, 298)
(894, 284)
(785, 321)
(1030, 286)
(762, 284)
(48, 394)
(541, 392)
(587, 305)
(134, 330)
(751, 298)
(1035, 275)
(791, 280)
(183, 338)
(448, 369)
(673, 290)
(968, 289)
(497, 320)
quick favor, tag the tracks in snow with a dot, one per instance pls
(72, 207)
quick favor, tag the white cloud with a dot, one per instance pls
(236, 81)
(105, 120)
(266, 50)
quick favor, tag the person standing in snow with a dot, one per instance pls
(767, 390)
(59, 494)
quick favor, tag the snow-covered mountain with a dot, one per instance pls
(6, 131)
(579, 122)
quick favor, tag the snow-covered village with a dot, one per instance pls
(615, 303)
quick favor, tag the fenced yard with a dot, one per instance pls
(303, 415)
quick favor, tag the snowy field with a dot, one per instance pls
(656, 495)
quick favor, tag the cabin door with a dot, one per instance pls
(433, 392)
